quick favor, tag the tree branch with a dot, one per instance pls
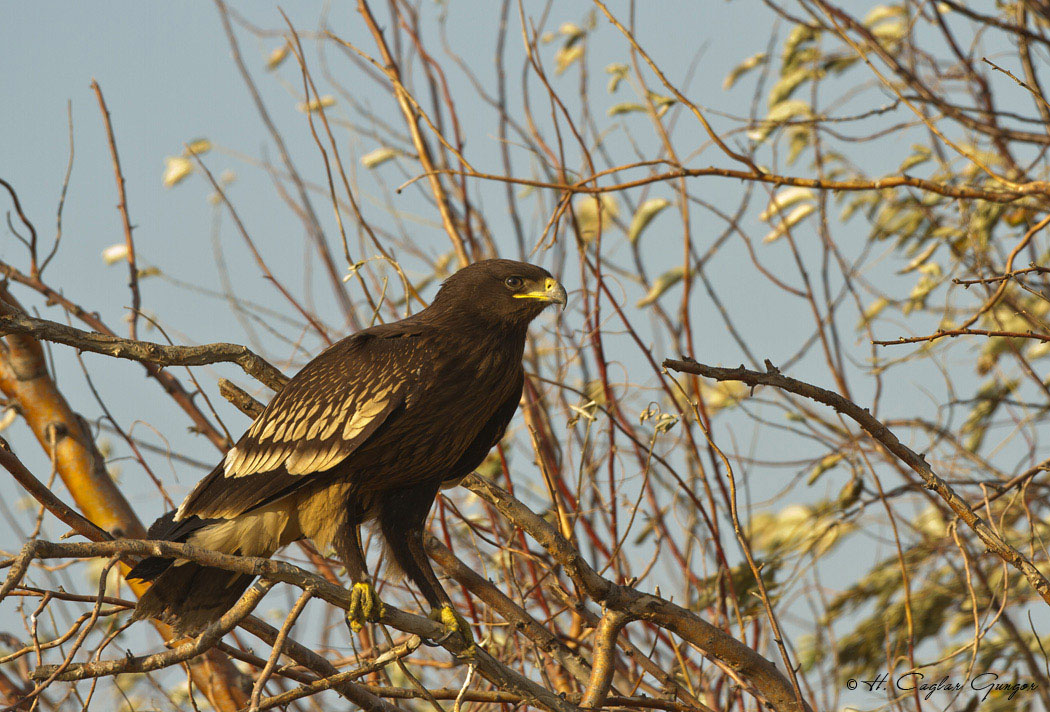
(492, 669)
(144, 351)
(771, 686)
(887, 439)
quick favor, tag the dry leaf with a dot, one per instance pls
(644, 215)
(176, 168)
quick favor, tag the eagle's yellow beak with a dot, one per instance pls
(552, 292)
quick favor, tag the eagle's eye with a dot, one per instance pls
(513, 282)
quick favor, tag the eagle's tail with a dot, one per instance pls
(185, 595)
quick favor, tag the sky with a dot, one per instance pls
(168, 79)
(166, 73)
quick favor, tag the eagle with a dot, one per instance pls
(366, 433)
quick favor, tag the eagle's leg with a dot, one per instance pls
(365, 605)
(402, 517)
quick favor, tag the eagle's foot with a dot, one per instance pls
(365, 606)
(454, 625)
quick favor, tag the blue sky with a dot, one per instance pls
(167, 76)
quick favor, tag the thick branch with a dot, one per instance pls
(604, 659)
(171, 385)
(61, 433)
(66, 514)
(240, 398)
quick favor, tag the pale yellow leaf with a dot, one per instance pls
(378, 157)
(618, 72)
(785, 198)
(880, 13)
(723, 394)
(277, 57)
(890, 31)
(788, 83)
(798, 214)
(784, 111)
(571, 30)
(197, 146)
(627, 107)
(565, 56)
(743, 68)
(593, 212)
(176, 168)
(921, 257)
(8, 417)
(115, 253)
(644, 215)
(921, 155)
(662, 283)
(826, 463)
(873, 310)
(316, 104)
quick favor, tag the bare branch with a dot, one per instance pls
(144, 351)
(884, 436)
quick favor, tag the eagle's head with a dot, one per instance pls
(499, 292)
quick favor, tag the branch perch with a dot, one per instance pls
(493, 670)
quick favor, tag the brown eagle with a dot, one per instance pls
(368, 431)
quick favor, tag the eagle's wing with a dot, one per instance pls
(314, 423)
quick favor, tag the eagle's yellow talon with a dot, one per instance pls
(454, 625)
(365, 606)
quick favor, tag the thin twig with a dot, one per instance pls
(122, 205)
(278, 647)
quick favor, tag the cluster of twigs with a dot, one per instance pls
(617, 550)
